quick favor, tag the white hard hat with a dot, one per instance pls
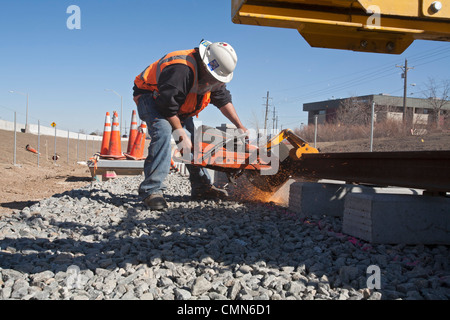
(220, 59)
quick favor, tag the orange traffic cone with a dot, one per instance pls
(173, 167)
(29, 148)
(115, 147)
(106, 136)
(137, 151)
(133, 131)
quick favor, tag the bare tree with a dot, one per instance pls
(95, 133)
(353, 111)
(446, 114)
(437, 97)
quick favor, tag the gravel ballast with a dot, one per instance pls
(101, 242)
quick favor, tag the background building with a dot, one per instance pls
(387, 107)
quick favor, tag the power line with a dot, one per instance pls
(421, 64)
(347, 83)
(418, 57)
(369, 76)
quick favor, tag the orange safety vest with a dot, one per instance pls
(148, 80)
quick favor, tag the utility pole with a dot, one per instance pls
(273, 119)
(405, 77)
(267, 111)
(315, 130)
(372, 125)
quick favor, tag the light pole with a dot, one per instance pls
(414, 106)
(26, 115)
(121, 108)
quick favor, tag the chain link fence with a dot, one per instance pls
(39, 144)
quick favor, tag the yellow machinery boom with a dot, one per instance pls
(382, 26)
(288, 162)
(300, 146)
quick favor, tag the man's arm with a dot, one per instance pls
(229, 111)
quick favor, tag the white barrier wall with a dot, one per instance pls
(48, 131)
(9, 126)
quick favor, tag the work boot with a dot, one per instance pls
(209, 192)
(156, 202)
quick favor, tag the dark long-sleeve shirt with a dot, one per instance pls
(174, 84)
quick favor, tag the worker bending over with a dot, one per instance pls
(168, 94)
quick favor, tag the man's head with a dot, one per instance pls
(219, 58)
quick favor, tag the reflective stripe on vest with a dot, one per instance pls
(148, 80)
(164, 62)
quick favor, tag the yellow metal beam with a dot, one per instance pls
(300, 146)
(428, 9)
(372, 26)
(410, 8)
(405, 8)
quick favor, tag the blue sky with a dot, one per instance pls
(65, 72)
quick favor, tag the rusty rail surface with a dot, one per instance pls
(428, 170)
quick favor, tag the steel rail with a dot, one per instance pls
(428, 170)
